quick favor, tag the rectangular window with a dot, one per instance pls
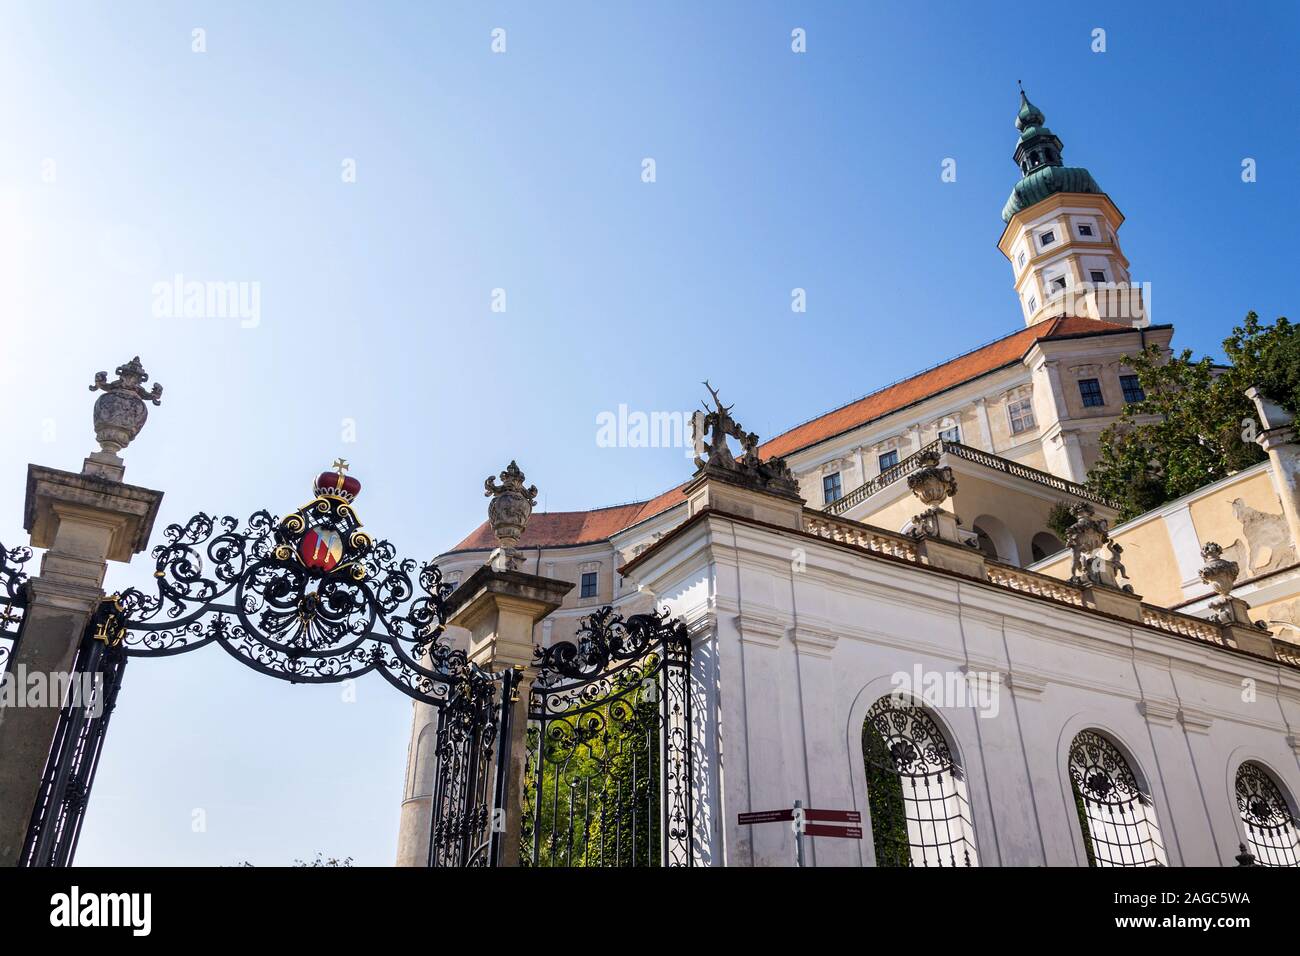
(1033, 304)
(888, 460)
(831, 490)
(1090, 392)
(589, 581)
(1085, 229)
(1132, 388)
(951, 434)
(1021, 416)
(1020, 260)
(1058, 284)
(1047, 238)
(1098, 275)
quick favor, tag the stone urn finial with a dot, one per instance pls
(930, 483)
(1219, 573)
(121, 412)
(509, 510)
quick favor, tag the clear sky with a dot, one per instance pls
(126, 158)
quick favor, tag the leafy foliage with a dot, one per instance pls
(1195, 424)
(1059, 519)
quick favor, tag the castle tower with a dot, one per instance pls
(1062, 235)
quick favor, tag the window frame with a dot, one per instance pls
(1132, 380)
(832, 481)
(1086, 398)
(1028, 404)
(880, 460)
(1047, 238)
(583, 593)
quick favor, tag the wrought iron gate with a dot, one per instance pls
(608, 769)
(310, 598)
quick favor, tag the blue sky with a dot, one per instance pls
(522, 171)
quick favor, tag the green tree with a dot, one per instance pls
(1195, 424)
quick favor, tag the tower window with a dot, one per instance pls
(831, 489)
(1090, 392)
(589, 582)
(1033, 304)
(888, 460)
(1047, 238)
(1058, 284)
(1020, 260)
(1085, 229)
(1021, 416)
(1097, 275)
(1132, 388)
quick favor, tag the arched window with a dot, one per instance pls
(1266, 813)
(1045, 543)
(915, 791)
(1117, 816)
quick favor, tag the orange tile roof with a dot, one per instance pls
(550, 529)
(561, 528)
(964, 368)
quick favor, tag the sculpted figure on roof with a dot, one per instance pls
(773, 475)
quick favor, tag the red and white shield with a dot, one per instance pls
(321, 548)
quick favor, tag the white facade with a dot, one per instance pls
(796, 637)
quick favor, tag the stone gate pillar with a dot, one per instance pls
(500, 606)
(85, 520)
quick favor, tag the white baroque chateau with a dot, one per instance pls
(947, 667)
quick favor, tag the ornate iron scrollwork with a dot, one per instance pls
(309, 598)
(13, 595)
(1118, 820)
(1270, 825)
(608, 767)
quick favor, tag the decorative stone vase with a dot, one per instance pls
(1219, 573)
(121, 412)
(930, 483)
(511, 506)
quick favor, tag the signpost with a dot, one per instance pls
(829, 823)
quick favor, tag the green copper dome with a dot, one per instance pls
(1048, 181)
(1038, 154)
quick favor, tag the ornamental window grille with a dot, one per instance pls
(1117, 816)
(1271, 831)
(916, 792)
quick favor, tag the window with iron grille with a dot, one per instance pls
(589, 582)
(1090, 392)
(1117, 817)
(831, 490)
(888, 460)
(1132, 388)
(1266, 814)
(1021, 415)
(916, 792)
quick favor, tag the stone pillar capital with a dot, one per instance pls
(500, 608)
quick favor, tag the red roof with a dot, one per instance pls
(560, 528)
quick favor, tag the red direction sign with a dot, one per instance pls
(765, 816)
(833, 816)
(822, 829)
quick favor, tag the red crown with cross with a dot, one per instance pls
(336, 484)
